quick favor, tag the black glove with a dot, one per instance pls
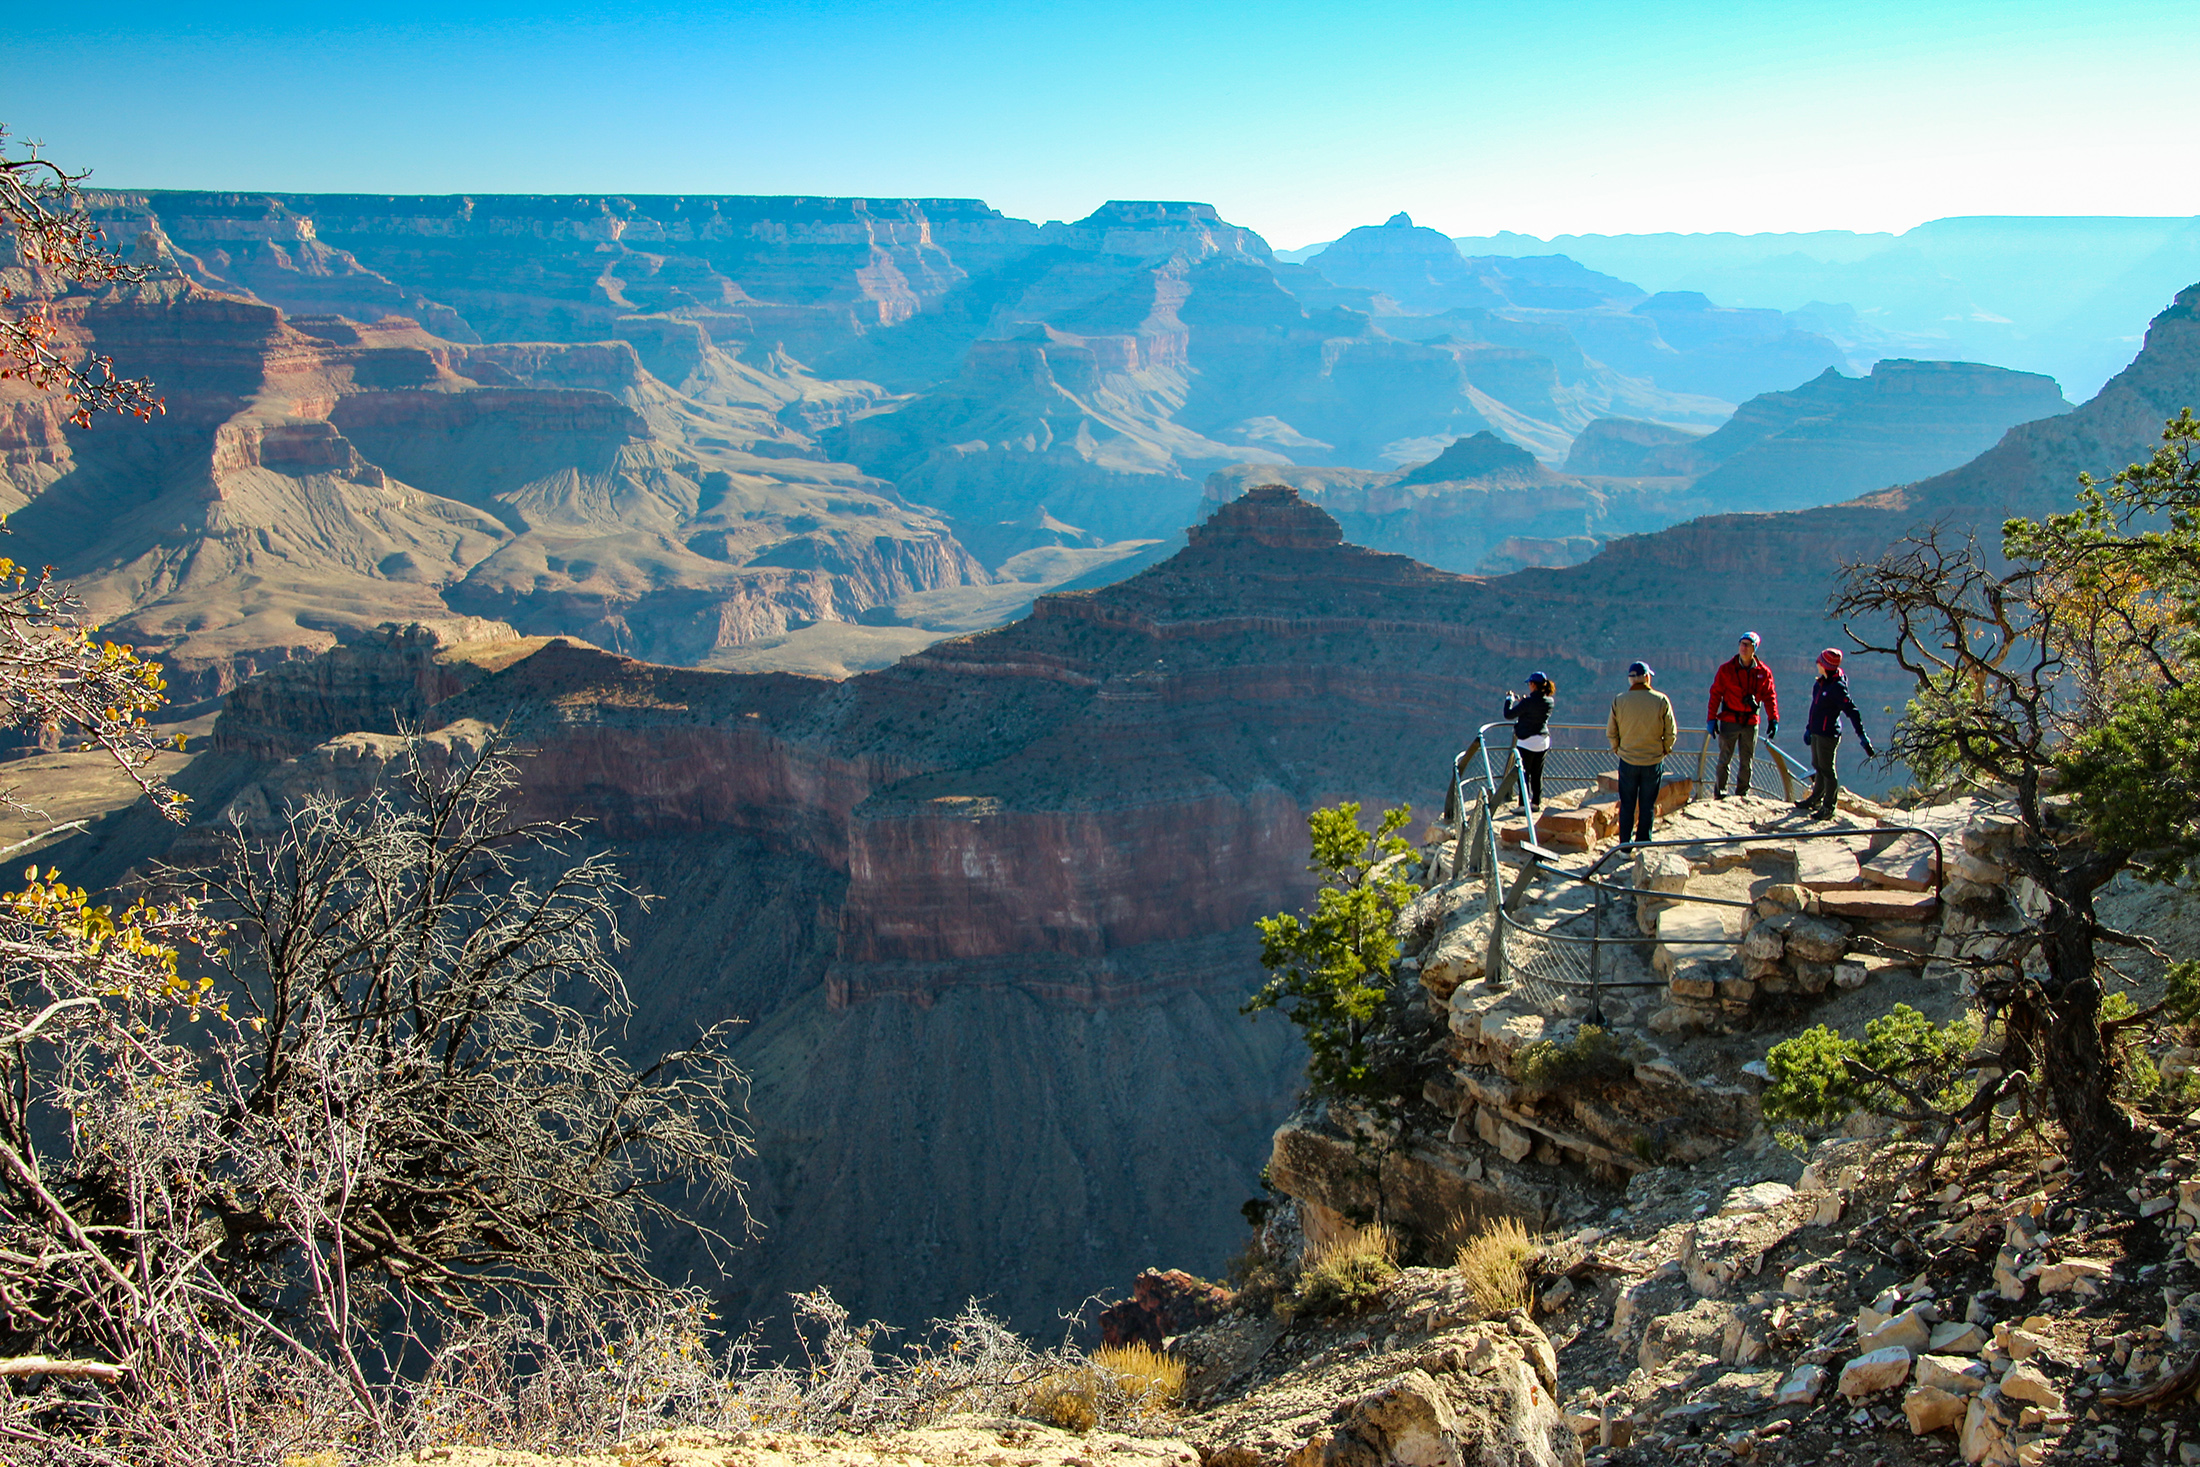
(1772, 728)
(1712, 728)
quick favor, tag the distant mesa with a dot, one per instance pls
(1482, 456)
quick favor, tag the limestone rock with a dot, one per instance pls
(1957, 1337)
(1700, 1329)
(1953, 1373)
(1823, 866)
(1717, 1252)
(1989, 1427)
(1755, 1197)
(1910, 1330)
(1460, 954)
(2027, 1382)
(1815, 939)
(1931, 1409)
(1801, 1387)
(2073, 1275)
(1493, 1412)
(1879, 906)
(1880, 1370)
(1910, 864)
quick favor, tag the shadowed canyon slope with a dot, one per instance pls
(747, 432)
(988, 910)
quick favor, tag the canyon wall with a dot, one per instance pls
(679, 427)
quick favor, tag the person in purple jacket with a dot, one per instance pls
(1829, 704)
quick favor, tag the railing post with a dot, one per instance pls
(1596, 966)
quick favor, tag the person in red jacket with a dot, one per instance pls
(1741, 687)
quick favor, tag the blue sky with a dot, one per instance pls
(1300, 120)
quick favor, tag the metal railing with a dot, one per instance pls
(1544, 962)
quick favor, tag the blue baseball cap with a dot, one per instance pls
(1639, 669)
(1539, 677)
(1753, 639)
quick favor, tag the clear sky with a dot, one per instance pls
(1300, 120)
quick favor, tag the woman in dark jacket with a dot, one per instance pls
(1531, 716)
(1829, 704)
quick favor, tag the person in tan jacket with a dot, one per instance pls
(1643, 732)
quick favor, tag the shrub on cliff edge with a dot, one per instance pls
(1332, 967)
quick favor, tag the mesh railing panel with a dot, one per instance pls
(1541, 966)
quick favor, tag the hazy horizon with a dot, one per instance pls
(1590, 118)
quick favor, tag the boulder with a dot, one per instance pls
(1801, 1387)
(1690, 933)
(1488, 1407)
(1814, 939)
(1990, 835)
(1755, 1197)
(1957, 1337)
(1989, 1428)
(2027, 1382)
(1656, 871)
(1955, 1374)
(1930, 1409)
(1765, 942)
(1910, 1330)
(2073, 1275)
(1964, 866)
(1879, 1370)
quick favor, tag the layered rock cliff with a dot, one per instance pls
(312, 478)
(610, 417)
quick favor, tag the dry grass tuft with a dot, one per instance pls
(1069, 1399)
(1494, 1263)
(1148, 1376)
(1347, 1272)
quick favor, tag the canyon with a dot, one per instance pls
(988, 911)
(817, 434)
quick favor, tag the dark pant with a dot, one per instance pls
(1531, 764)
(1638, 798)
(1825, 783)
(1732, 737)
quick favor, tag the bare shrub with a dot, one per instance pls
(387, 1130)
